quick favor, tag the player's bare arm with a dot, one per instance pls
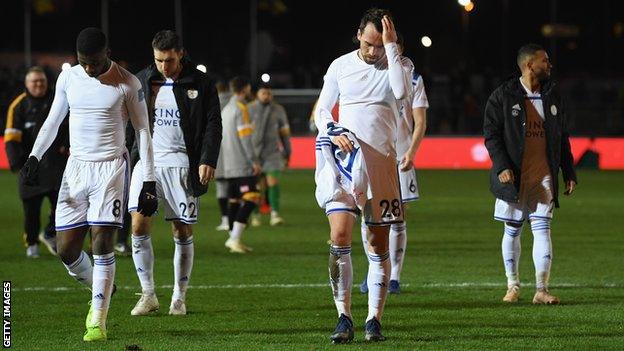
(420, 125)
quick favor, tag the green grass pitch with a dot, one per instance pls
(278, 297)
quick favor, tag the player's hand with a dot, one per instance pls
(206, 174)
(406, 162)
(570, 185)
(506, 176)
(344, 143)
(148, 202)
(388, 34)
(257, 169)
(30, 170)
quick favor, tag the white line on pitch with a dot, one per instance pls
(321, 285)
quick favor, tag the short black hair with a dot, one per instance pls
(91, 41)
(527, 50)
(264, 85)
(238, 84)
(166, 40)
(374, 16)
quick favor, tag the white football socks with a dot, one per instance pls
(511, 254)
(378, 278)
(397, 244)
(237, 230)
(103, 278)
(341, 277)
(182, 267)
(143, 257)
(542, 251)
(81, 270)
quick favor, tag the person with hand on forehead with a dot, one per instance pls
(367, 83)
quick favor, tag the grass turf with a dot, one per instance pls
(277, 297)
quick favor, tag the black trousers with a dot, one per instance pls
(32, 216)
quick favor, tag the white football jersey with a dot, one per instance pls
(367, 97)
(99, 108)
(168, 139)
(418, 98)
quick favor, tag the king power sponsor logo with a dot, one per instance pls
(166, 117)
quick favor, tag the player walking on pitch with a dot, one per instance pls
(526, 136)
(367, 82)
(186, 120)
(412, 124)
(100, 96)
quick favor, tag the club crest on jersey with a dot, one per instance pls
(515, 110)
(553, 110)
(192, 93)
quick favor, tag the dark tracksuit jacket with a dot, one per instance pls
(504, 132)
(200, 117)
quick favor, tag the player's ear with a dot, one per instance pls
(358, 35)
(108, 52)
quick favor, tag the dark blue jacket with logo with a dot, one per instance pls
(504, 131)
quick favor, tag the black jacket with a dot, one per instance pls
(504, 130)
(25, 117)
(200, 117)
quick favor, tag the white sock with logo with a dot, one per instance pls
(103, 278)
(182, 267)
(143, 257)
(542, 251)
(397, 243)
(511, 253)
(378, 278)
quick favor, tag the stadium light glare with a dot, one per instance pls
(65, 66)
(469, 6)
(265, 77)
(463, 2)
(426, 41)
(202, 68)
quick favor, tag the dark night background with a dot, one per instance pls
(471, 52)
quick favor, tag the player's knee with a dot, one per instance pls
(181, 231)
(513, 224)
(340, 236)
(67, 253)
(378, 239)
(140, 224)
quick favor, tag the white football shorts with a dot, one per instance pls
(385, 206)
(409, 185)
(93, 193)
(536, 201)
(171, 189)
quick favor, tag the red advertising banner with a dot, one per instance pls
(450, 153)
(470, 152)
